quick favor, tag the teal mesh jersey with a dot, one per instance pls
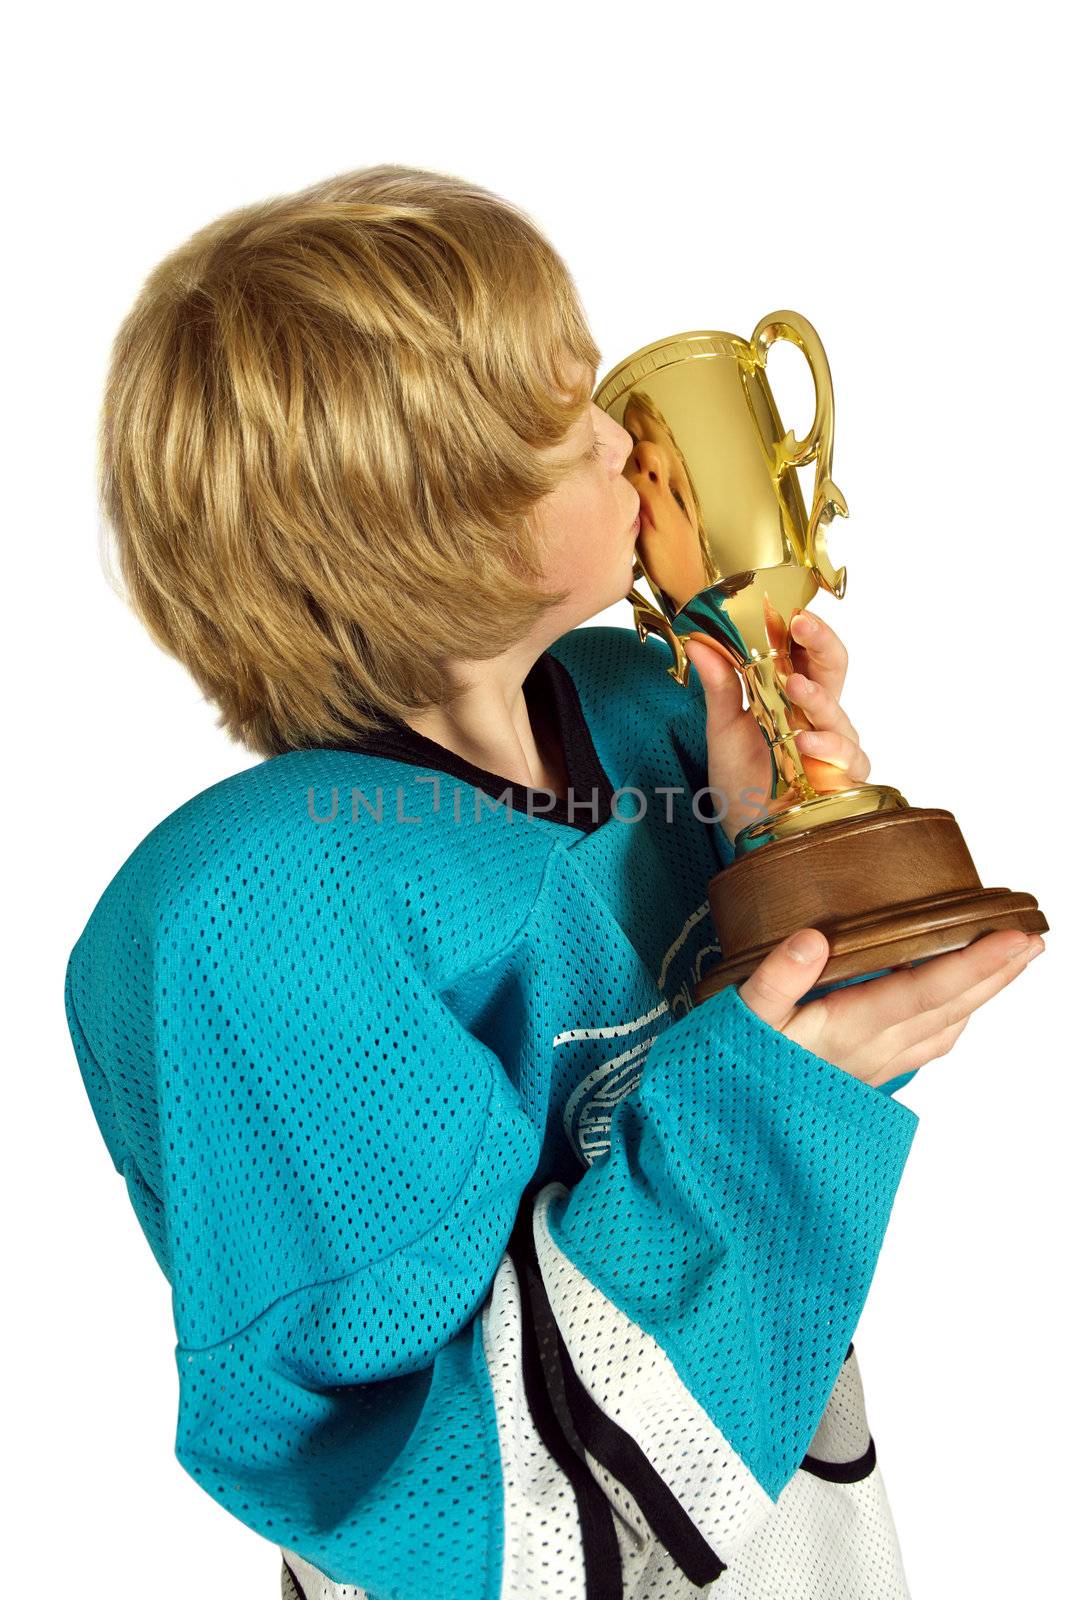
(499, 1268)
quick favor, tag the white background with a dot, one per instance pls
(893, 174)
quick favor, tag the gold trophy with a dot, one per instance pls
(731, 555)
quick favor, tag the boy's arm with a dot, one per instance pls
(370, 1303)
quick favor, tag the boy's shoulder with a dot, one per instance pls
(253, 823)
(352, 842)
(347, 828)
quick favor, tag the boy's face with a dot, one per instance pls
(586, 526)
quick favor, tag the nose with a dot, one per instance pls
(640, 464)
(626, 444)
(646, 459)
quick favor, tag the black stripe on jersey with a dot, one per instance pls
(842, 1471)
(600, 1543)
(291, 1586)
(551, 693)
(623, 1457)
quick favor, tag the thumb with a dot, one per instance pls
(722, 686)
(782, 977)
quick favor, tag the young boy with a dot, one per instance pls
(499, 1268)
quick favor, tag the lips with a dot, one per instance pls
(642, 519)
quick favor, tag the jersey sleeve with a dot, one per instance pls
(707, 1275)
(405, 1362)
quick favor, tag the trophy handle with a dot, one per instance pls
(818, 443)
(648, 620)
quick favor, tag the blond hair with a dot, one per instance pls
(319, 447)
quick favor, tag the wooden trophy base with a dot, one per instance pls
(885, 889)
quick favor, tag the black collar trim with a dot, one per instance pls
(548, 683)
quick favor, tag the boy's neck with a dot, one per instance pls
(491, 724)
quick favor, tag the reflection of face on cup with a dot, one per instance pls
(669, 542)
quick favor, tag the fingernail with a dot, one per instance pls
(1015, 951)
(806, 946)
(806, 622)
(1037, 949)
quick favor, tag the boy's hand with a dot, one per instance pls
(738, 758)
(886, 1026)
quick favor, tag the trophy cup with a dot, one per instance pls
(730, 556)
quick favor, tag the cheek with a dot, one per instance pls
(595, 537)
(572, 560)
(581, 538)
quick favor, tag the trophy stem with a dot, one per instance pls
(794, 805)
(779, 721)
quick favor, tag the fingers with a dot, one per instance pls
(819, 705)
(710, 660)
(837, 751)
(773, 990)
(909, 1005)
(938, 1044)
(956, 1010)
(722, 684)
(832, 738)
(886, 1026)
(825, 657)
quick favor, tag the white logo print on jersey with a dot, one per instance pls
(587, 1114)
